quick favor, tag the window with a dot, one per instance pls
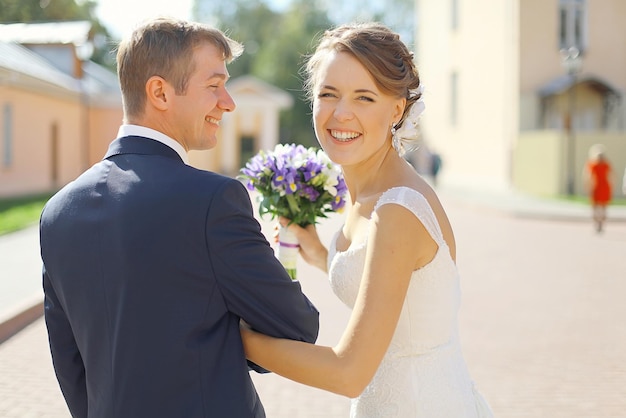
(454, 98)
(454, 22)
(247, 149)
(54, 154)
(573, 24)
(7, 136)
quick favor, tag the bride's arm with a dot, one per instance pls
(397, 245)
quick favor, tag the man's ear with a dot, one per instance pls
(158, 92)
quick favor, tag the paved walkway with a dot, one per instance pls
(20, 280)
(541, 320)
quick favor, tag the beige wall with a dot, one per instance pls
(540, 164)
(83, 138)
(484, 53)
(540, 61)
(36, 119)
(103, 126)
(539, 43)
(606, 54)
(503, 52)
(537, 165)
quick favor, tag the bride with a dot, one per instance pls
(393, 261)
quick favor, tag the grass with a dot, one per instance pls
(616, 201)
(19, 213)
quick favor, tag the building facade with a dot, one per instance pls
(59, 111)
(253, 126)
(517, 91)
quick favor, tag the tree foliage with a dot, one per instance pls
(275, 46)
(44, 10)
(281, 59)
(277, 42)
(35, 11)
(399, 15)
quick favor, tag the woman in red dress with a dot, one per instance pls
(599, 176)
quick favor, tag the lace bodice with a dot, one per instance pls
(423, 373)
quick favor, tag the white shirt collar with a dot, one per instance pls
(136, 130)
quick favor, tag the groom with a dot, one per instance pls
(150, 264)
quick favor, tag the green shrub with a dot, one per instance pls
(18, 213)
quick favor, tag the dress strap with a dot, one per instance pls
(414, 201)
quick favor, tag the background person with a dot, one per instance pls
(598, 179)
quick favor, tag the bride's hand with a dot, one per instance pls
(311, 248)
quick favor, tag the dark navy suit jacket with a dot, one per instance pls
(149, 264)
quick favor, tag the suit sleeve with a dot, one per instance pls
(254, 284)
(67, 361)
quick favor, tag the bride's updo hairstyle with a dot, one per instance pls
(379, 50)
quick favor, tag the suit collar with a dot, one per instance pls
(142, 146)
(144, 131)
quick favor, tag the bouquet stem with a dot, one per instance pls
(288, 249)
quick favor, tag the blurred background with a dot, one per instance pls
(517, 92)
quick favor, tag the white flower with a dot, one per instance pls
(331, 173)
(409, 129)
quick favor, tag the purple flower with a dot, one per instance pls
(310, 193)
(296, 182)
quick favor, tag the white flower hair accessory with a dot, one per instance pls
(409, 132)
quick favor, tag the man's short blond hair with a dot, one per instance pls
(164, 47)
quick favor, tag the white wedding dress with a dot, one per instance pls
(423, 373)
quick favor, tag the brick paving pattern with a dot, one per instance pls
(543, 317)
(541, 325)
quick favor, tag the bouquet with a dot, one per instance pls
(298, 183)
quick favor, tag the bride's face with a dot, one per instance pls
(351, 115)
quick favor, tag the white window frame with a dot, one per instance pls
(573, 24)
(454, 98)
(454, 14)
(7, 135)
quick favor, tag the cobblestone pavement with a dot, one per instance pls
(543, 312)
(20, 267)
(541, 325)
